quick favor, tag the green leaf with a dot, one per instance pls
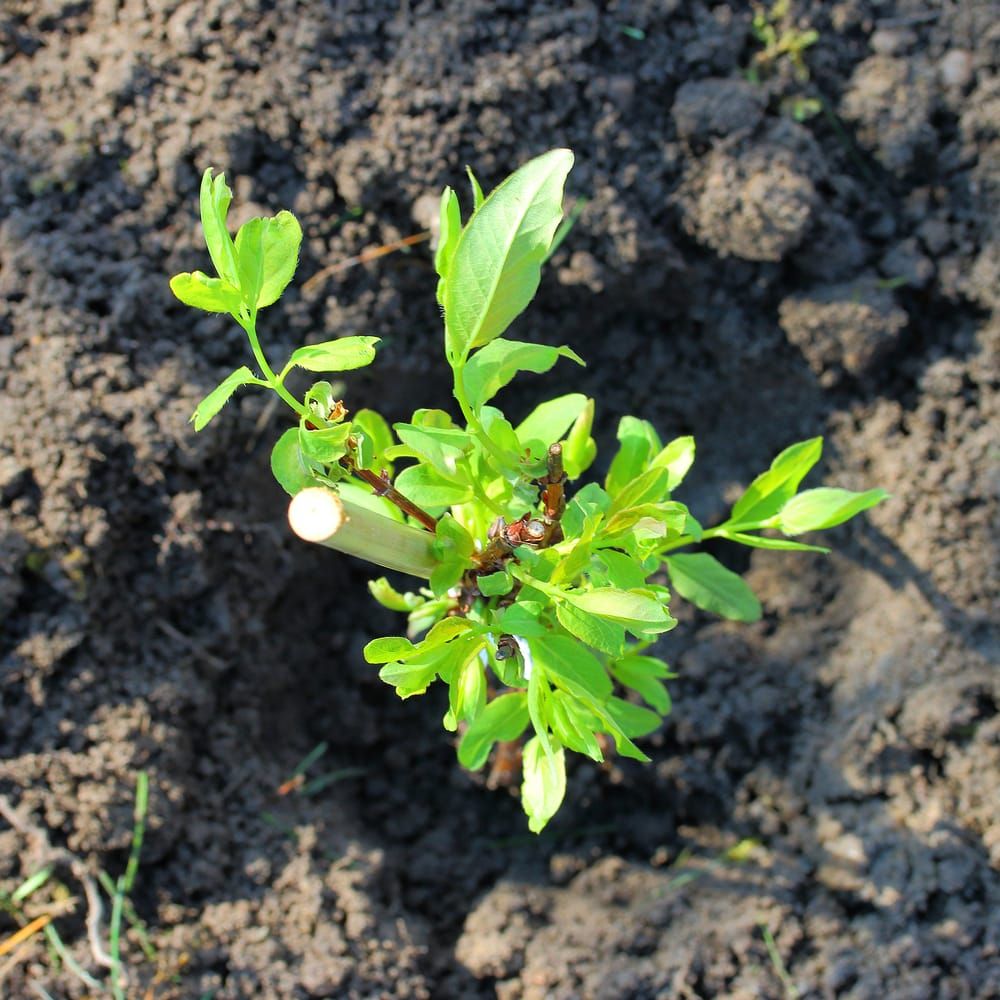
(490, 369)
(706, 583)
(466, 677)
(648, 487)
(521, 619)
(635, 721)
(633, 672)
(219, 396)
(281, 242)
(677, 457)
(443, 447)
(215, 199)
(544, 783)
(622, 570)
(503, 719)
(413, 676)
(452, 538)
(446, 630)
(389, 648)
(496, 266)
(395, 647)
(574, 726)
(499, 430)
(450, 231)
(428, 488)
(341, 355)
(288, 465)
(549, 421)
(250, 259)
(571, 666)
(327, 445)
(825, 508)
(202, 292)
(658, 519)
(378, 437)
(585, 512)
(638, 441)
(580, 449)
(321, 397)
(495, 584)
(633, 610)
(769, 492)
(761, 542)
(477, 192)
(390, 598)
(607, 636)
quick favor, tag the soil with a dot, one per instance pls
(829, 782)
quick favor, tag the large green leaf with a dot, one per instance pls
(768, 493)
(428, 488)
(281, 241)
(574, 725)
(496, 266)
(571, 666)
(706, 583)
(825, 508)
(504, 718)
(443, 447)
(490, 369)
(607, 636)
(633, 610)
(250, 259)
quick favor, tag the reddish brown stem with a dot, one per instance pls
(382, 487)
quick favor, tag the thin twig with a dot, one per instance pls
(382, 487)
(198, 650)
(363, 258)
(95, 909)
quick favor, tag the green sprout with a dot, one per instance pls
(781, 38)
(541, 595)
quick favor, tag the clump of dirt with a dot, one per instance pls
(826, 790)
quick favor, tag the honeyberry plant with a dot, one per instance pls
(542, 596)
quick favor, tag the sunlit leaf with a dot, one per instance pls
(706, 583)
(219, 396)
(496, 266)
(341, 355)
(826, 507)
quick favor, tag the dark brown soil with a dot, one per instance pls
(736, 275)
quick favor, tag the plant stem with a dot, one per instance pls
(473, 421)
(382, 487)
(320, 515)
(722, 531)
(249, 325)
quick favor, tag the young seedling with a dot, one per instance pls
(542, 595)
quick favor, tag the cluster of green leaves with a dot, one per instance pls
(541, 635)
(782, 40)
